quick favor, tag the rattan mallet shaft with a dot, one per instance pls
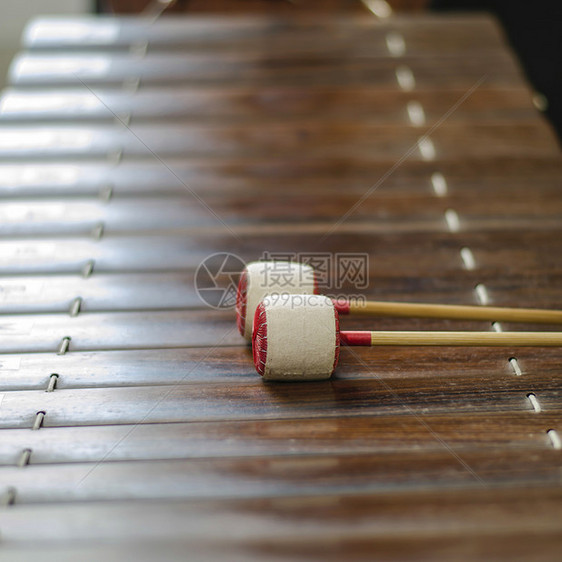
(449, 311)
(467, 339)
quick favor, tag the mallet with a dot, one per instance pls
(260, 279)
(297, 338)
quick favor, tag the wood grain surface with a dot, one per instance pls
(132, 423)
(317, 32)
(277, 8)
(319, 140)
(264, 104)
(32, 70)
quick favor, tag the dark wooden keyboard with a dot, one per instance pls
(133, 425)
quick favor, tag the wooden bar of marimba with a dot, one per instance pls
(133, 424)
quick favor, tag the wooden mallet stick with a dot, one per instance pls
(449, 311)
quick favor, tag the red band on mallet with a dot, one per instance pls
(355, 338)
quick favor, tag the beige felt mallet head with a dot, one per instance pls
(262, 278)
(297, 338)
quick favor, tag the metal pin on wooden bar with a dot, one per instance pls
(106, 192)
(131, 85)
(468, 258)
(24, 458)
(482, 293)
(452, 220)
(534, 402)
(38, 422)
(97, 231)
(395, 44)
(555, 439)
(426, 148)
(156, 8)
(379, 8)
(439, 184)
(63, 346)
(9, 496)
(114, 157)
(405, 78)
(540, 101)
(88, 268)
(75, 306)
(123, 119)
(515, 366)
(52, 384)
(138, 49)
(416, 114)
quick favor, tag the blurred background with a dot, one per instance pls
(14, 15)
(534, 29)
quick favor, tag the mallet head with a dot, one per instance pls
(262, 278)
(296, 337)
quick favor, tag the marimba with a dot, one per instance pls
(401, 156)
